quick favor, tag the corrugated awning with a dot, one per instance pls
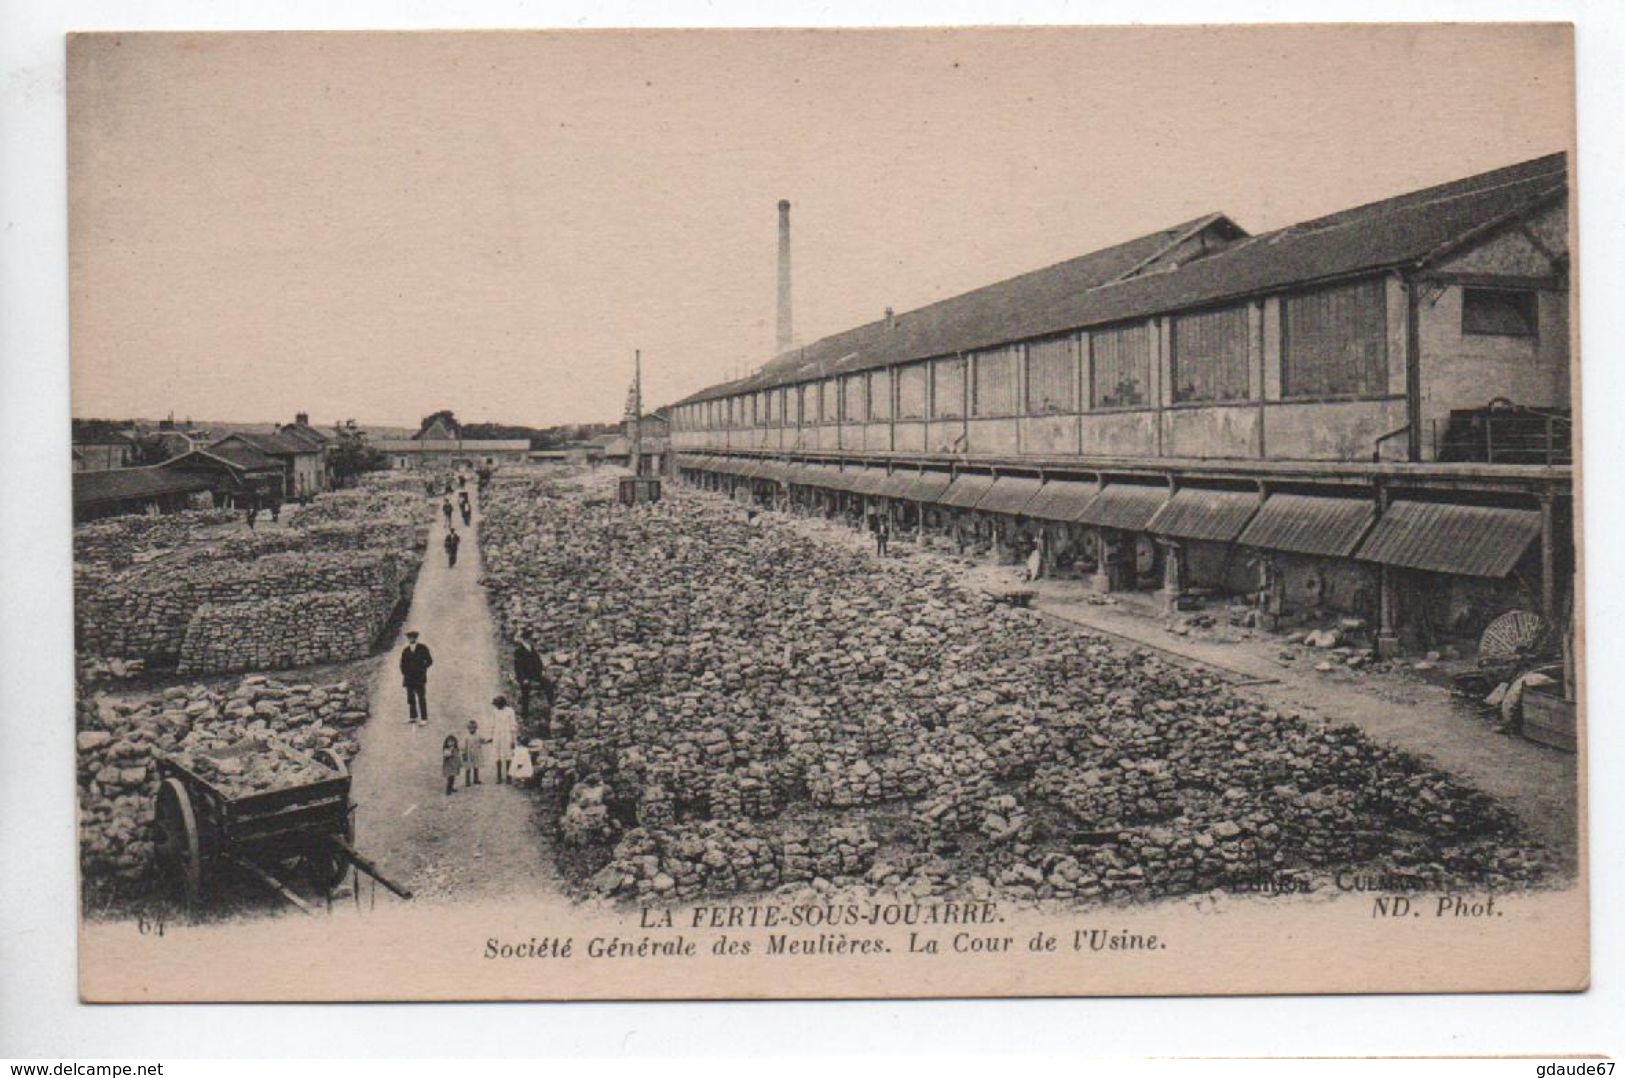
(1306, 524)
(1060, 499)
(1009, 494)
(1128, 506)
(867, 480)
(1467, 540)
(897, 485)
(1214, 515)
(928, 487)
(966, 491)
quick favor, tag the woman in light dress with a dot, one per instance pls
(504, 731)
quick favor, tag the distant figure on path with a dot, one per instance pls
(415, 663)
(467, 509)
(882, 528)
(1035, 559)
(451, 761)
(453, 541)
(445, 508)
(473, 753)
(504, 736)
(253, 514)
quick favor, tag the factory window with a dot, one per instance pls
(855, 398)
(1120, 360)
(770, 414)
(783, 407)
(830, 392)
(1051, 375)
(911, 383)
(1334, 341)
(1210, 356)
(806, 404)
(994, 383)
(880, 394)
(1499, 312)
(948, 388)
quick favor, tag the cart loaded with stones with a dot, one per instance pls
(260, 807)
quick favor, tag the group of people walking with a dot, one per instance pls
(491, 744)
(464, 507)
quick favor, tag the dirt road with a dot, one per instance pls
(480, 842)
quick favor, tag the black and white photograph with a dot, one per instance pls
(736, 514)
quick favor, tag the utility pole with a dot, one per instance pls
(636, 455)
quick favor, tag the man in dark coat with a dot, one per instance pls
(528, 672)
(453, 541)
(415, 663)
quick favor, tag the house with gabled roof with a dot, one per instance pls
(240, 474)
(304, 464)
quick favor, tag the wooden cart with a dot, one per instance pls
(199, 830)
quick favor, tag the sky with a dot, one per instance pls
(377, 226)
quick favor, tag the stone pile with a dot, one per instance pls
(117, 738)
(725, 678)
(723, 858)
(254, 765)
(120, 541)
(366, 503)
(140, 583)
(148, 614)
(284, 631)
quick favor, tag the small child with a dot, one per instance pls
(504, 736)
(450, 758)
(473, 753)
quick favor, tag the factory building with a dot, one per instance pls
(1366, 412)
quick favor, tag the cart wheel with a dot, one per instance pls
(177, 845)
(326, 868)
(333, 760)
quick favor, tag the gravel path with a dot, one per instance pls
(480, 842)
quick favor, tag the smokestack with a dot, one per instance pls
(785, 334)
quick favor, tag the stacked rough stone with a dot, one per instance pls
(726, 678)
(284, 631)
(118, 780)
(149, 614)
(368, 503)
(119, 541)
(131, 605)
(728, 857)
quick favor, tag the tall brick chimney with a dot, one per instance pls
(785, 334)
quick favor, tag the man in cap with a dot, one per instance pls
(415, 663)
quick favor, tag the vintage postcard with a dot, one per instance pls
(872, 513)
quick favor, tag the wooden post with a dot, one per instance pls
(1548, 582)
(1387, 597)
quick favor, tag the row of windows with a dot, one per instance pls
(1334, 343)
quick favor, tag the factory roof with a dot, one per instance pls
(1207, 260)
(272, 445)
(236, 457)
(118, 484)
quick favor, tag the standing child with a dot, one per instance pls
(450, 759)
(473, 753)
(504, 736)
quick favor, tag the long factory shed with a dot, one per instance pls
(1385, 390)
